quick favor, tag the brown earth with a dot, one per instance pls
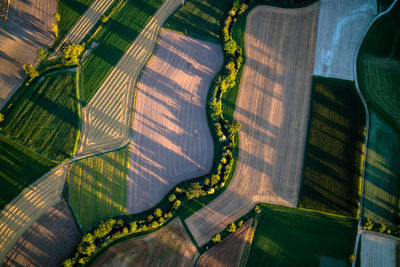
(229, 252)
(272, 105)
(171, 141)
(48, 241)
(170, 246)
(379, 250)
(27, 29)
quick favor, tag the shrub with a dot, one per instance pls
(172, 198)
(104, 18)
(41, 53)
(31, 71)
(158, 213)
(177, 204)
(71, 53)
(231, 228)
(150, 218)
(216, 238)
(214, 179)
(57, 17)
(195, 190)
(230, 47)
(1, 118)
(54, 29)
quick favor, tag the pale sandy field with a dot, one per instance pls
(229, 252)
(379, 250)
(170, 109)
(341, 26)
(272, 105)
(48, 241)
(27, 29)
(170, 246)
(106, 119)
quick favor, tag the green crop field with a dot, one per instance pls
(334, 149)
(286, 236)
(46, 117)
(19, 167)
(113, 40)
(98, 187)
(200, 18)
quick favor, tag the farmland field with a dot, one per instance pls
(272, 107)
(334, 149)
(97, 187)
(171, 141)
(199, 19)
(46, 118)
(48, 241)
(379, 250)
(285, 236)
(169, 246)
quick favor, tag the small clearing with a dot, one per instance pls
(341, 26)
(273, 106)
(170, 246)
(27, 29)
(171, 141)
(379, 250)
(229, 252)
(48, 241)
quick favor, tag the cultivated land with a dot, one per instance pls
(98, 186)
(334, 149)
(48, 241)
(27, 29)
(199, 18)
(379, 250)
(107, 117)
(272, 105)
(171, 141)
(24, 210)
(170, 246)
(341, 25)
(285, 236)
(86, 22)
(46, 117)
(229, 252)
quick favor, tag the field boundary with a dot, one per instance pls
(367, 125)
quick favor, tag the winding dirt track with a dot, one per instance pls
(107, 117)
(27, 29)
(169, 246)
(272, 105)
(20, 214)
(341, 26)
(171, 141)
(86, 22)
(48, 241)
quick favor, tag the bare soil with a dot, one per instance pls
(48, 241)
(379, 250)
(170, 246)
(26, 30)
(273, 106)
(171, 141)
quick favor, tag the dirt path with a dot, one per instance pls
(229, 252)
(86, 22)
(171, 141)
(48, 241)
(340, 28)
(272, 105)
(107, 117)
(20, 214)
(27, 29)
(170, 246)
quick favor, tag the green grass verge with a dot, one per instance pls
(334, 149)
(19, 167)
(113, 40)
(98, 186)
(199, 18)
(382, 172)
(46, 117)
(295, 237)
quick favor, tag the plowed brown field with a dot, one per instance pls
(171, 140)
(272, 105)
(48, 241)
(379, 250)
(170, 246)
(229, 252)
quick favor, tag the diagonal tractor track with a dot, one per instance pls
(85, 23)
(106, 119)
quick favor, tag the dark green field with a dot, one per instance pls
(333, 156)
(199, 18)
(113, 40)
(46, 118)
(295, 237)
(19, 167)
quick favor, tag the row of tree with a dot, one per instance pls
(369, 225)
